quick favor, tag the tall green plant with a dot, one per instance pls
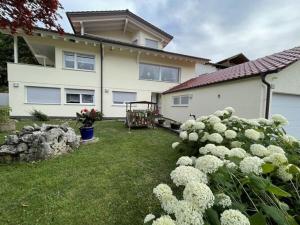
(4, 114)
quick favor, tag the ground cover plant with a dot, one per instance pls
(235, 171)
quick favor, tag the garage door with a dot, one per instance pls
(288, 106)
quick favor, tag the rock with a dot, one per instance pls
(36, 127)
(46, 127)
(65, 127)
(12, 139)
(54, 134)
(22, 147)
(27, 138)
(72, 139)
(28, 129)
(8, 149)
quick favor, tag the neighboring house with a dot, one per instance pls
(257, 88)
(112, 57)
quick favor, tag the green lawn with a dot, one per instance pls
(109, 182)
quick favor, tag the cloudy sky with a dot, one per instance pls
(212, 28)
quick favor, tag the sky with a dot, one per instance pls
(214, 29)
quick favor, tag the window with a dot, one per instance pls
(159, 73)
(79, 61)
(151, 43)
(123, 97)
(181, 100)
(43, 95)
(78, 96)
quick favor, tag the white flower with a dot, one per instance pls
(183, 135)
(162, 190)
(252, 122)
(238, 152)
(275, 149)
(219, 127)
(183, 127)
(199, 195)
(280, 119)
(220, 113)
(276, 159)
(199, 126)
(220, 151)
(193, 136)
(265, 121)
(202, 118)
(175, 144)
(283, 174)
(184, 161)
(252, 134)
(207, 149)
(169, 203)
(193, 158)
(184, 174)
(223, 200)
(215, 137)
(164, 220)
(186, 214)
(190, 123)
(251, 164)
(204, 137)
(236, 144)
(148, 218)
(290, 139)
(259, 150)
(208, 163)
(231, 165)
(233, 217)
(214, 119)
(230, 134)
(230, 109)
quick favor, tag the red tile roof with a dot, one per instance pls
(268, 64)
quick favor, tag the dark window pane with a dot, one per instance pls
(73, 98)
(87, 98)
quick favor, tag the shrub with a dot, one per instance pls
(39, 115)
(99, 116)
(252, 170)
(4, 114)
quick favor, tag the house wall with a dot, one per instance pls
(203, 69)
(116, 35)
(243, 95)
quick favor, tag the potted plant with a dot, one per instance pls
(175, 125)
(87, 118)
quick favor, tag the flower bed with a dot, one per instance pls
(238, 172)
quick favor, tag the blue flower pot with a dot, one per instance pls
(87, 133)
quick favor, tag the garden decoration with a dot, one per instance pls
(87, 118)
(235, 171)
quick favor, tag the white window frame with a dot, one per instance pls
(180, 100)
(124, 103)
(41, 103)
(151, 40)
(79, 92)
(76, 54)
(161, 66)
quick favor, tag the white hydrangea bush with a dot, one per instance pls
(234, 168)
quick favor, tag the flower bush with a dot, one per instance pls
(234, 171)
(87, 117)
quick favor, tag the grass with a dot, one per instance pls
(109, 182)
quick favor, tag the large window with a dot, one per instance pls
(78, 96)
(120, 97)
(182, 100)
(159, 73)
(43, 95)
(151, 43)
(79, 61)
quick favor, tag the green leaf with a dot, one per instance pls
(268, 168)
(278, 191)
(259, 182)
(293, 170)
(278, 216)
(212, 217)
(258, 219)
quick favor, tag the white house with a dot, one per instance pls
(112, 57)
(257, 88)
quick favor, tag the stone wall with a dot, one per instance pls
(35, 142)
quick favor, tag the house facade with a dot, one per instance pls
(258, 88)
(113, 57)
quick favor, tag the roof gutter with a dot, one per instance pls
(263, 79)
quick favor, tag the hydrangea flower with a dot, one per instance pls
(283, 174)
(280, 119)
(162, 190)
(265, 121)
(252, 134)
(202, 118)
(207, 149)
(183, 135)
(193, 136)
(236, 144)
(164, 220)
(223, 200)
(230, 134)
(184, 174)
(220, 113)
(230, 109)
(186, 214)
(231, 165)
(199, 195)
(208, 164)
(251, 164)
(220, 151)
(275, 149)
(233, 217)
(216, 138)
(219, 127)
(237, 152)
(184, 161)
(169, 203)
(259, 150)
(214, 119)
(276, 159)
(204, 137)
(175, 144)
(149, 217)
(199, 126)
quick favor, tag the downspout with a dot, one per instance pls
(263, 79)
(101, 77)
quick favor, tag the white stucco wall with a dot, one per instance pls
(203, 69)
(244, 95)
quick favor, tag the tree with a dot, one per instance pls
(25, 14)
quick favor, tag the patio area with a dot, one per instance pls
(108, 182)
